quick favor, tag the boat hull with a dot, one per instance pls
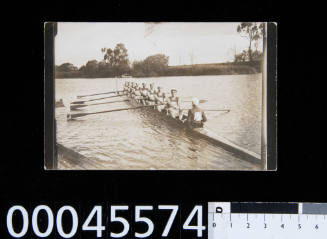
(206, 134)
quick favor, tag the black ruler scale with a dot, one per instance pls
(266, 220)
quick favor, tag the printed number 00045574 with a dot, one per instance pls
(96, 213)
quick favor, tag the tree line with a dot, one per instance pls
(115, 62)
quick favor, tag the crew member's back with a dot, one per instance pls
(196, 116)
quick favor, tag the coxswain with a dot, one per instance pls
(196, 116)
(174, 105)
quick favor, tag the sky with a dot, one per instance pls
(184, 43)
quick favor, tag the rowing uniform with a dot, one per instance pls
(151, 96)
(162, 101)
(173, 107)
(126, 88)
(196, 117)
(144, 94)
(130, 91)
(137, 94)
(157, 96)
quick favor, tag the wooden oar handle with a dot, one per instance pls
(200, 101)
(83, 101)
(76, 106)
(110, 92)
(210, 109)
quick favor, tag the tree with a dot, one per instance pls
(66, 67)
(108, 56)
(257, 55)
(241, 57)
(82, 70)
(117, 59)
(252, 31)
(154, 65)
(91, 68)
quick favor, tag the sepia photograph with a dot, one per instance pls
(161, 96)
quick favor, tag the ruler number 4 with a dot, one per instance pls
(199, 227)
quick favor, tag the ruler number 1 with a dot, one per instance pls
(199, 227)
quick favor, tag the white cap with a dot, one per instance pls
(195, 101)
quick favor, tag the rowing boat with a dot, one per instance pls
(70, 159)
(204, 133)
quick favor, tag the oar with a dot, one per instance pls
(72, 116)
(110, 92)
(224, 110)
(73, 107)
(200, 101)
(83, 101)
(227, 110)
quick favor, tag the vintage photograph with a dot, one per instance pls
(160, 96)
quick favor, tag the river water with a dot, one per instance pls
(135, 140)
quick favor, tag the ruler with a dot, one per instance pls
(242, 220)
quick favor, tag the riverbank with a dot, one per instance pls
(233, 68)
(238, 68)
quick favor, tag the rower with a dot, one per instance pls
(158, 94)
(144, 94)
(158, 97)
(130, 89)
(126, 87)
(137, 93)
(151, 94)
(196, 116)
(162, 100)
(174, 105)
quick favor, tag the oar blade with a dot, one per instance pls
(78, 102)
(73, 116)
(75, 107)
